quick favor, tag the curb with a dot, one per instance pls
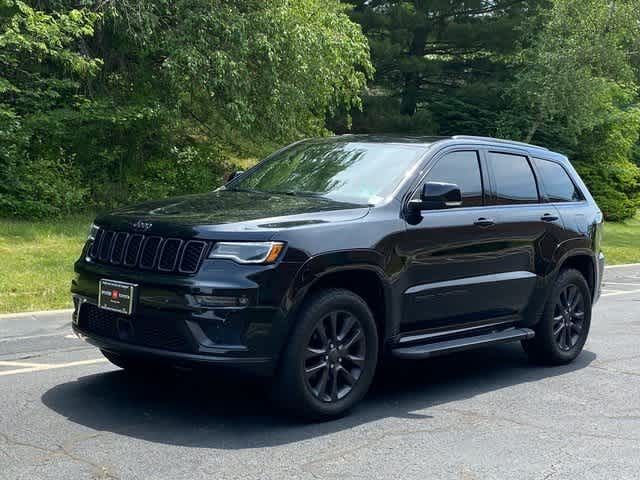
(622, 265)
(9, 316)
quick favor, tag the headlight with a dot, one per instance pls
(93, 230)
(248, 252)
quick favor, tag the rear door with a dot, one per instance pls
(529, 228)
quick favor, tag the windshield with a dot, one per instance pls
(354, 172)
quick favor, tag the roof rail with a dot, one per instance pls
(496, 140)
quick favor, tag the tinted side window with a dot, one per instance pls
(558, 187)
(462, 169)
(514, 180)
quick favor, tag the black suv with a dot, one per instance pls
(333, 253)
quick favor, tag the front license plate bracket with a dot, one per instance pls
(116, 296)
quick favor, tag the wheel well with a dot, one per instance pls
(363, 283)
(584, 264)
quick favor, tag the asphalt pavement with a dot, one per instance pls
(65, 413)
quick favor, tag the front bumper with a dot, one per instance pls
(169, 322)
(166, 337)
(258, 365)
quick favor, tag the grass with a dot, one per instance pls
(36, 264)
(37, 259)
(622, 242)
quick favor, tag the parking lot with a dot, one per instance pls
(487, 414)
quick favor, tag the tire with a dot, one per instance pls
(564, 326)
(133, 365)
(322, 376)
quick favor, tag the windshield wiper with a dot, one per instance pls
(299, 193)
(291, 193)
(246, 190)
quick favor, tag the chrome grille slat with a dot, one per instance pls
(132, 251)
(117, 252)
(192, 256)
(95, 246)
(149, 254)
(104, 251)
(169, 254)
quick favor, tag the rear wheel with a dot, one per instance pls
(330, 361)
(564, 326)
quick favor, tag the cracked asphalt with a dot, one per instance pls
(485, 414)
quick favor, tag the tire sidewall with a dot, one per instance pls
(319, 306)
(545, 328)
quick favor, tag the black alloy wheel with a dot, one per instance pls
(568, 317)
(330, 359)
(564, 324)
(335, 356)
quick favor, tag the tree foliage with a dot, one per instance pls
(118, 101)
(40, 72)
(106, 102)
(576, 90)
(441, 66)
(562, 73)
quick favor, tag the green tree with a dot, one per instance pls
(276, 66)
(441, 66)
(41, 68)
(139, 99)
(561, 73)
(576, 90)
(577, 67)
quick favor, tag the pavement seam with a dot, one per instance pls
(11, 363)
(619, 292)
(52, 366)
(63, 450)
(20, 315)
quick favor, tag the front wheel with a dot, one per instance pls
(564, 326)
(330, 361)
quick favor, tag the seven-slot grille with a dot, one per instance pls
(147, 252)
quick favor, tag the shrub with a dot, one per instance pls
(604, 159)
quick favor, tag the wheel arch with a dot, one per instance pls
(366, 278)
(580, 259)
(584, 262)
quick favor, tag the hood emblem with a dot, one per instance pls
(141, 226)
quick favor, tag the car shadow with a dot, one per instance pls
(220, 411)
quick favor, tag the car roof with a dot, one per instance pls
(428, 141)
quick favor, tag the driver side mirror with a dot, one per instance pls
(235, 174)
(437, 196)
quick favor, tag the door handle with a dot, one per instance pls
(484, 222)
(547, 217)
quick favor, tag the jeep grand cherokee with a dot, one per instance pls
(332, 253)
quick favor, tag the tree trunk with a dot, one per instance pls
(409, 103)
(532, 131)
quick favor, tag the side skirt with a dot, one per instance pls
(426, 350)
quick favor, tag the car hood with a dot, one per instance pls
(231, 211)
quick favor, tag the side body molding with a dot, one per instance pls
(498, 277)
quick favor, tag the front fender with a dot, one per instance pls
(318, 267)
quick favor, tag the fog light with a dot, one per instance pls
(222, 301)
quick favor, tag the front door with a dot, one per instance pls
(470, 264)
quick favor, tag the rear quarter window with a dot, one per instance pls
(556, 183)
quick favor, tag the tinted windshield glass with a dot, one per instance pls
(356, 172)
